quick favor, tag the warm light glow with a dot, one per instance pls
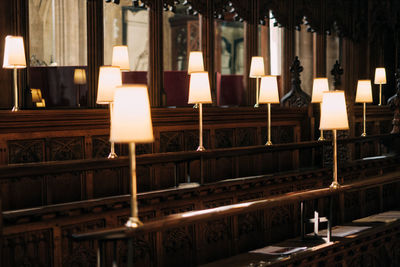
(120, 57)
(131, 119)
(269, 90)
(79, 76)
(380, 76)
(14, 53)
(257, 67)
(109, 79)
(36, 95)
(334, 112)
(320, 85)
(199, 88)
(196, 63)
(364, 91)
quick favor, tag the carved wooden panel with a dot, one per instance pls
(178, 246)
(250, 230)
(24, 151)
(390, 196)
(144, 179)
(247, 166)
(192, 140)
(246, 136)
(66, 148)
(217, 203)
(280, 222)
(171, 141)
(77, 253)
(352, 205)
(101, 146)
(63, 188)
(33, 248)
(107, 182)
(177, 209)
(143, 251)
(372, 200)
(224, 138)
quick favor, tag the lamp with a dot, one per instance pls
(131, 123)
(334, 117)
(199, 93)
(109, 79)
(380, 78)
(37, 98)
(257, 71)
(364, 95)
(269, 95)
(120, 57)
(320, 85)
(79, 78)
(14, 58)
(195, 62)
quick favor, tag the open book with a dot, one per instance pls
(275, 250)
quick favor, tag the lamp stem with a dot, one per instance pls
(134, 219)
(380, 94)
(78, 95)
(15, 108)
(269, 143)
(112, 154)
(335, 184)
(364, 120)
(321, 138)
(201, 147)
(257, 89)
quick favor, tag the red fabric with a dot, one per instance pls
(138, 77)
(176, 86)
(229, 90)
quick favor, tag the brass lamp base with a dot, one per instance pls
(256, 105)
(200, 148)
(15, 108)
(112, 155)
(321, 138)
(363, 134)
(334, 185)
(133, 222)
(268, 143)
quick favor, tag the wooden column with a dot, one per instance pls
(207, 31)
(251, 42)
(156, 55)
(319, 55)
(95, 47)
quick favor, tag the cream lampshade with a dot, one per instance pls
(109, 79)
(334, 117)
(14, 58)
(199, 88)
(334, 112)
(79, 76)
(269, 94)
(257, 67)
(131, 123)
(269, 90)
(364, 91)
(131, 119)
(120, 57)
(320, 85)
(380, 76)
(36, 95)
(196, 63)
(14, 53)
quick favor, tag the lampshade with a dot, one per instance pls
(36, 95)
(199, 88)
(269, 90)
(79, 76)
(320, 85)
(364, 91)
(380, 76)
(120, 57)
(334, 112)
(257, 67)
(131, 119)
(109, 79)
(195, 62)
(14, 53)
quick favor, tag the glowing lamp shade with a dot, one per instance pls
(36, 95)
(131, 118)
(320, 85)
(14, 53)
(364, 91)
(120, 57)
(109, 79)
(269, 90)
(257, 67)
(79, 76)
(334, 112)
(380, 76)
(199, 88)
(196, 63)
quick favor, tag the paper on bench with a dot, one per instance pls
(386, 217)
(342, 231)
(275, 250)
